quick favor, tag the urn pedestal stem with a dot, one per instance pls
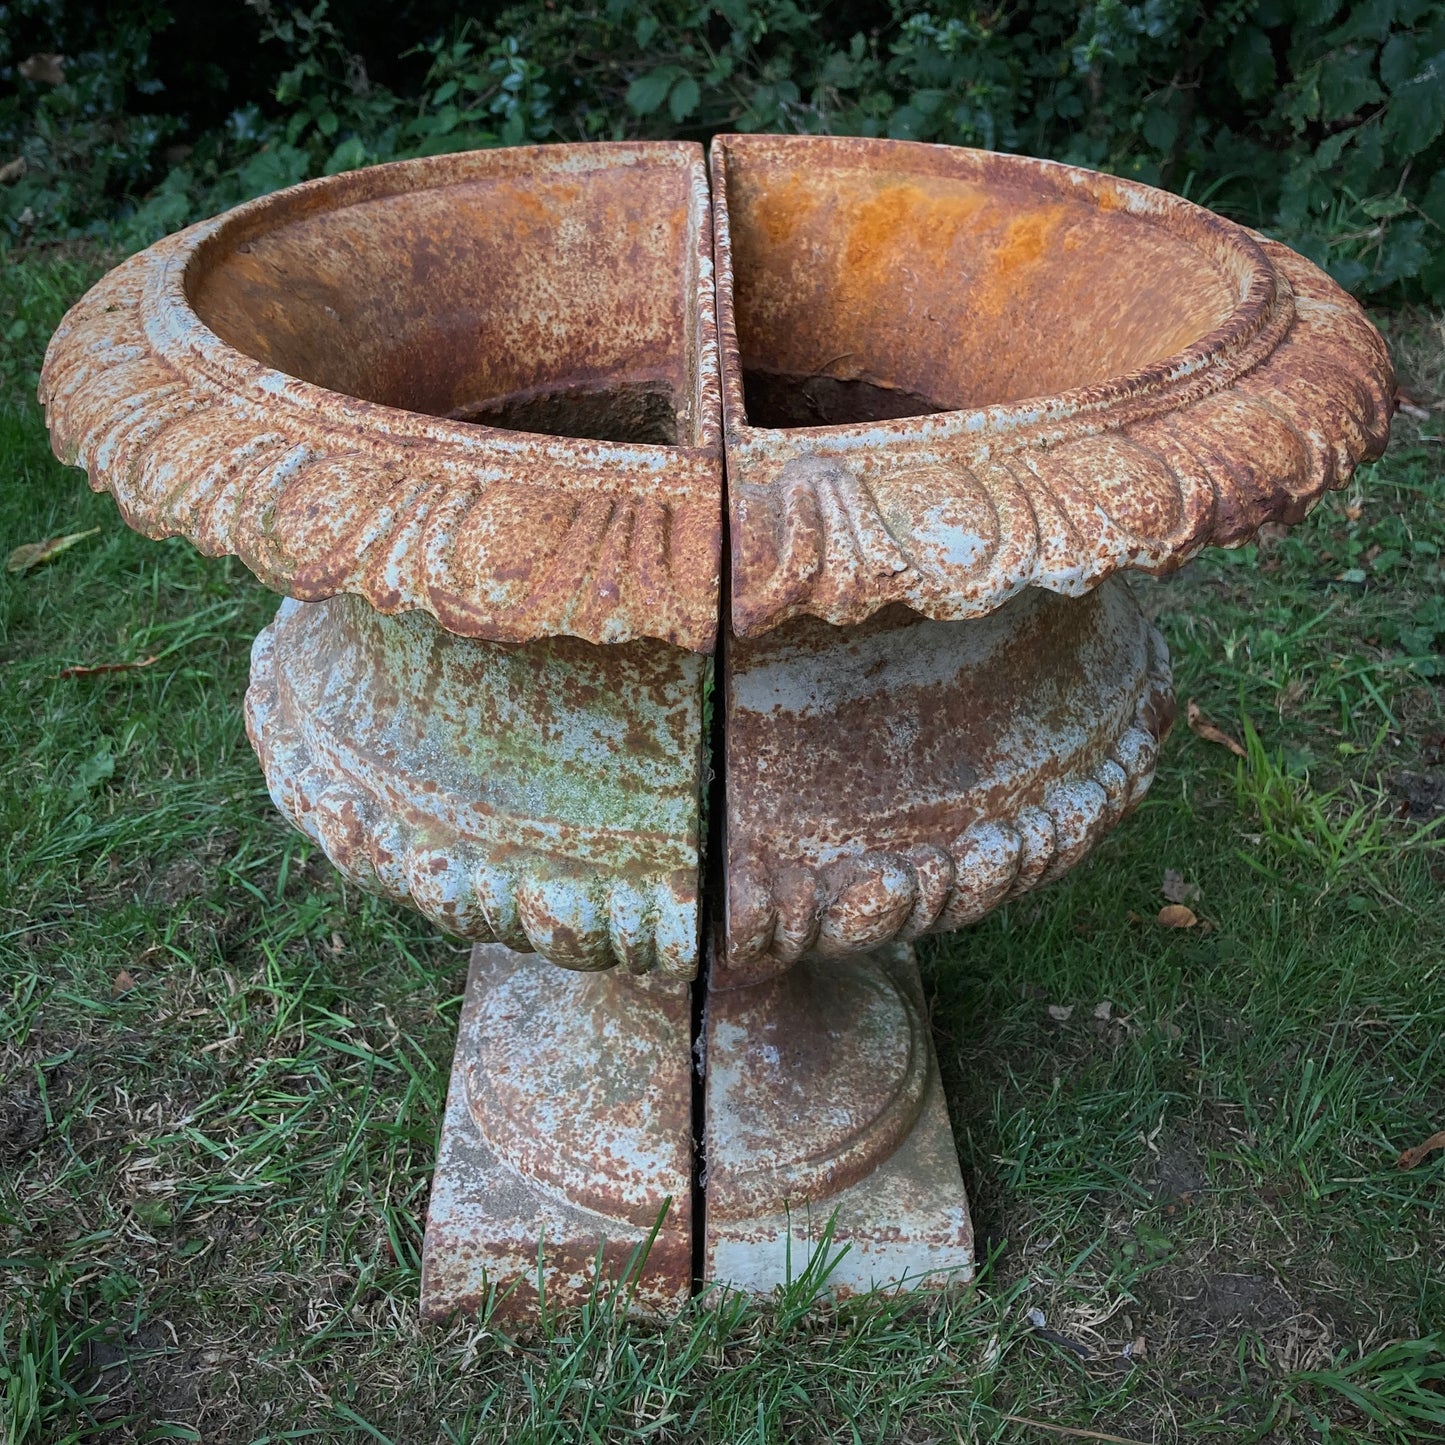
(827, 1131)
(567, 1141)
(566, 1154)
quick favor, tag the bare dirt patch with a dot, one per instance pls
(22, 1123)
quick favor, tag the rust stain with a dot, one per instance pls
(930, 222)
(1025, 240)
(786, 210)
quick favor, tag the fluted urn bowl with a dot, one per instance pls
(488, 420)
(949, 375)
(480, 386)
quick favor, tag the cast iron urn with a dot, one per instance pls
(488, 421)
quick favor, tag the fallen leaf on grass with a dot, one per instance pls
(1176, 890)
(1105, 1010)
(109, 667)
(11, 171)
(1414, 406)
(1061, 1013)
(1176, 915)
(122, 983)
(1201, 727)
(151, 1213)
(1411, 1157)
(1270, 535)
(32, 554)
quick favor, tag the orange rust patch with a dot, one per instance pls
(1026, 239)
(931, 223)
(540, 207)
(899, 228)
(779, 210)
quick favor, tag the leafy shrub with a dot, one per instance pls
(76, 125)
(1317, 121)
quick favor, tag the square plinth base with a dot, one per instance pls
(905, 1219)
(568, 1131)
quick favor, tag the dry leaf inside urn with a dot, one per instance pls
(1176, 915)
(1411, 1157)
(1201, 727)
(32, 554)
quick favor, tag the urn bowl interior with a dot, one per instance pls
(877, 280)
(549, 290)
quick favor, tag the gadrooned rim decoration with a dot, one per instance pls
(321, 494)
(566, 904)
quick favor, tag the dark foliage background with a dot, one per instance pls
(1318, 121)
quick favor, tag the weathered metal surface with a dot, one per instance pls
(490, 388)
(824, 1101)
(295, 382)
(569, 1081)
(544, 795)
(568, 1128)
(1112, 377)
(812, 1079)
(904, 777)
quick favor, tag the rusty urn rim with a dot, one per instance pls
(1011, 373)
(158, 383)
(1166, 379)
(1261, 314)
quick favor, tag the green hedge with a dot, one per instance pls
(1319, 122)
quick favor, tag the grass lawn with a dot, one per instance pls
(221, 1071)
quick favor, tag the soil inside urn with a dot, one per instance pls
(773, 399)
(626, 411)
